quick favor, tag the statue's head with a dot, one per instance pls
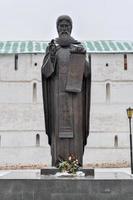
(64, 26)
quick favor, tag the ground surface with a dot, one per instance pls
(41, 166)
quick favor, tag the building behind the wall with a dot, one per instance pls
(22, 131)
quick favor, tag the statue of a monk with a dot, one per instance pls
(66, 81)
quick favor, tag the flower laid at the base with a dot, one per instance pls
(70, 166)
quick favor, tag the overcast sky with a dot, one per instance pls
(92, 19)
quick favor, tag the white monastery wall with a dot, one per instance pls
(22, 129)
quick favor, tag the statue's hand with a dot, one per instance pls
(78, 50)
(52, 50)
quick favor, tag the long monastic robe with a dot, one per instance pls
(66, 98)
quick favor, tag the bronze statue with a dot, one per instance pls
(66, 82)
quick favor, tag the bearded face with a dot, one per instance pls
(64, 29)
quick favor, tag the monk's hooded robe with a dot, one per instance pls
(66, 97)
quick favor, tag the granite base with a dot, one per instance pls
(30, 185)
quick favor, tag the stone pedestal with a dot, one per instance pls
(30, 185)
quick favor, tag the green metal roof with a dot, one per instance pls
(100, 46)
